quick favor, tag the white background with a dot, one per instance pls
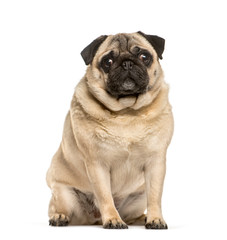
(40, 64)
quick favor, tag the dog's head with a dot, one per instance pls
(124, 65)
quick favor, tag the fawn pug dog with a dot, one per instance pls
(111, 163)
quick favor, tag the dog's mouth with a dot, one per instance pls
(123, 92)
(127, 87)
(128, 95)
(127, 83)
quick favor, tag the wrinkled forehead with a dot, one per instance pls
(123, 43)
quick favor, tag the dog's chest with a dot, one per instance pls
(127, 173)
(123, 135)
(129, 141)
(126, 148)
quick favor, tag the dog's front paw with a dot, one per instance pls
(156, 223)
(59, 220)
(115, 224)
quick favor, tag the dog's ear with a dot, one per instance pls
(157, 43)
(89, 52)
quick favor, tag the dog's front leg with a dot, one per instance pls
(99, 177)
(154, 178)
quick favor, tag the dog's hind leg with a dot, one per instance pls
(132, 210)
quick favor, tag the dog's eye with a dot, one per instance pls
(145, 58)
(108, 62)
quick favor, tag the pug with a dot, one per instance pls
(111, 163)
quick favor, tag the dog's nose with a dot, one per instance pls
(127, 65)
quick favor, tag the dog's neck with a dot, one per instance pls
(99, 104)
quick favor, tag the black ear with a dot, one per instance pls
(157, 43)
(89, 52)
